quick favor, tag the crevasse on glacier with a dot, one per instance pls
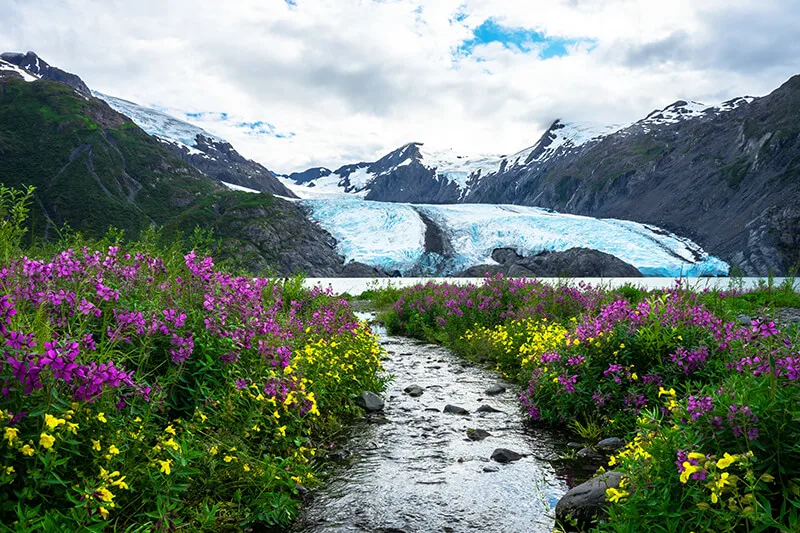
(392, 236)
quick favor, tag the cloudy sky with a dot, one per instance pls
(300, 83)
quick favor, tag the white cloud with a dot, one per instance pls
(353, 79)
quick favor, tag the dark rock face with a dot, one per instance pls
(587, 501)
(370, 402)
(575, 262)
(588, 454)
(38, 67)
(502, 455)
(487, 409)
(220, 161)
(309, 175)
(729, 180)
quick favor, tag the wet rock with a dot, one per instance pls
(575, 445)
(370, 402)
(488, 409)
(743, 320)
(610, 444)
(433, 409)
(502, 455)
(491, 469)
(587, 501)
(413, 390)
(477, 434)
(495, 389)
(455, 410)
(587, 453)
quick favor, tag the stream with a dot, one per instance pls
(413, 469)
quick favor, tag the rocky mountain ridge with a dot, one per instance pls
(727, 176)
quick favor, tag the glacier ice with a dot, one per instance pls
(392, 236)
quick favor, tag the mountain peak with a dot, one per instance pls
(39, 68)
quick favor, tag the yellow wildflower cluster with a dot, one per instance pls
(635, 450)
(719, 482)
(524, 340)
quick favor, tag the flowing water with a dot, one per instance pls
(413, 469)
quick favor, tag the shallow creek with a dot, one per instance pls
(416, 470)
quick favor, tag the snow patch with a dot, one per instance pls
(234, 187)
(26, 76)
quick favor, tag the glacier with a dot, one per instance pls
(392, 236)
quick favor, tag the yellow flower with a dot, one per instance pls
(9, 470)
(10, 434)
(282, 430)
(102, 417)
(170, 430)
(73, 428)
(113, 450)
(688, 470)
(723, 480)
(228, 459)
(52, 422)
(726, 461)
(165, 466)
(246, 467)
(214, 450)
(96, 445)
(105, 495)
(614, 496)
(634, 376)
(297, 479)
(695, 455)
(663, 392)
(27, 450)
(46, 441)
(120, 483)
(103, 512)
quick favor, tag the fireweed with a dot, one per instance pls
(709, 403)
(150, 396)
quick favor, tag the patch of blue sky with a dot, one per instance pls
(522, 39)
(208, 115)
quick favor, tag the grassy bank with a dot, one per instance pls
(703, 384)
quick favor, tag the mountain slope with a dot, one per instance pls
(92, 167)
(726, 176)
(211, 155)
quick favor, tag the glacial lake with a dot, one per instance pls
(355, 286)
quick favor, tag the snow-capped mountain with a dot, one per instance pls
(447, 176)
(208, 153)
(31, 67)
(397, 237)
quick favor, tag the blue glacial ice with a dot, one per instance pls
(392, 236)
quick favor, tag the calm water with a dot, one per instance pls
(416, 471)
(355, 286)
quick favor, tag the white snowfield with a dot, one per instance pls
(157, 123)
(392, 236)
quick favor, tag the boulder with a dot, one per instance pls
(610, 444)
(586, 502)
(414, 391)
(477, 434)
(370, 402)
(488, 409)
(503, 455)
(495, 389)
(455, 410)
